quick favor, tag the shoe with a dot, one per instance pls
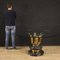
(14, 47)
(6, 47)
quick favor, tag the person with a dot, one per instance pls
(10, 26)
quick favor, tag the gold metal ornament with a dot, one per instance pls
(35, 41)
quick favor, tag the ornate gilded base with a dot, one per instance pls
(36, 41)
(35, 51)
(41, 52)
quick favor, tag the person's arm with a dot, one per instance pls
(15, 14)
(4, 17)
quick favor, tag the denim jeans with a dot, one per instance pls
(8, 30)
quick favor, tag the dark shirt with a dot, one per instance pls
(10, 17)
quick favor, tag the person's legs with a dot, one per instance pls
(13, 29)
(7, 36)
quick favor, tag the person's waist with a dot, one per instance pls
(10, 26)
